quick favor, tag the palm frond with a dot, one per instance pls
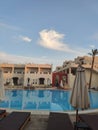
(90, 54)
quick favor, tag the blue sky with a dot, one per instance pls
(47, 31)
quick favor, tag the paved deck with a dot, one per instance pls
(39, 122)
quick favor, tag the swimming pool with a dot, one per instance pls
(51, 100)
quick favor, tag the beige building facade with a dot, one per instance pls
(27, 74)
(69, 67)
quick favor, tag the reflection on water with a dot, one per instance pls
(93, 99)
(52, 100)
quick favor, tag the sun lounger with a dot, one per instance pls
(59, 121)
(15, 121)
(90, 120)
(2, 113)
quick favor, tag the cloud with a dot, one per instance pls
(54, 40)
(8, 58)
(2, 54)
(14, 59)
(25, 38)
(92, 46)
(7, 26)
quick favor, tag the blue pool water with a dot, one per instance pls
(52, 100)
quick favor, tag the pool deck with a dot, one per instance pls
(39, 122)
(39, 119)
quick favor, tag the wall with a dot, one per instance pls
(57, 77)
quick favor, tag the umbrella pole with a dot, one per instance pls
(76, 115)
(75, 127)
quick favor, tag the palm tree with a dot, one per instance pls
(93, 54)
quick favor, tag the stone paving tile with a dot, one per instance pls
(39, 122)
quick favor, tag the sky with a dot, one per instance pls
(47, 31)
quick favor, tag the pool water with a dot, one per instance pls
(51, 100)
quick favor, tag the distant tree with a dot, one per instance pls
(93, 54)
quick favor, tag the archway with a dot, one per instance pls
(15, 80)
(41, 80)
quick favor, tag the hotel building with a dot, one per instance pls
(69, 70)
(27, 74)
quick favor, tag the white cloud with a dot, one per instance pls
(92, 46)
(2, 54)
(54, 40)
(25, 38)
(14, 59)
(7, 26)
(8, 58)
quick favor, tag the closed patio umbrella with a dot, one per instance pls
(79, 96)
(2, 92)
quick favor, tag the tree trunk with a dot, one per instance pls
(91, 71)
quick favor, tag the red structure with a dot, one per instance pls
(57, 77)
